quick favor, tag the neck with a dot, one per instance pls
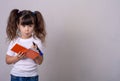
(25, 37)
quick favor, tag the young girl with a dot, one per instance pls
(27, 29)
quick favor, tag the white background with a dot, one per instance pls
(83, 39)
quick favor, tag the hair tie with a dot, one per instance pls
(19, 12)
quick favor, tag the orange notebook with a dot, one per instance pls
(29, 52)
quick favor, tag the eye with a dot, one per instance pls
(23, 25)
(31, 25)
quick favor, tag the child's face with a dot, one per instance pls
(26, 30)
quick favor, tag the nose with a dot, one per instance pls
(26, 28)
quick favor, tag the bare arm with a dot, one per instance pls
(38, 60)
(11, 59)
(14, 59)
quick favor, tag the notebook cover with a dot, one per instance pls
(29, 52)
(32, 54)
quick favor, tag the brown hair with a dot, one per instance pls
(26, 17)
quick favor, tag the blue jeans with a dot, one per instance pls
(17, 78)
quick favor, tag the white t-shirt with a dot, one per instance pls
(24, 67)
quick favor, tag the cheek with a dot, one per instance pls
(32, 29)
(20, 28)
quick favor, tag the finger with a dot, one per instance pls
(35, 44)
(19, 52)
(21, 55)
(18, 56)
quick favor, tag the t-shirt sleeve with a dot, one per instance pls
(9, 51)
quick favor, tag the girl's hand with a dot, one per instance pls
(21, 55)
(34, 46)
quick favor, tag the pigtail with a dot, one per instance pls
(40, 31)
(12, 24)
